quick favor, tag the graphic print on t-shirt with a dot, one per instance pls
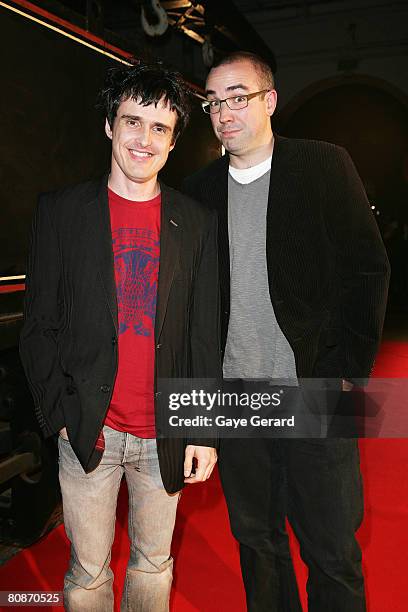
(136, 260)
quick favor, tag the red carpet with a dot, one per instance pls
(207, 577)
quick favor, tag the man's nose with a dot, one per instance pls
(225, 113)
(144, 136)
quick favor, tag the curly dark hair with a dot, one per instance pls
(146, 84)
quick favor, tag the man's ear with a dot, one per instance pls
(271, 98)
(108, 130)
(173, 144)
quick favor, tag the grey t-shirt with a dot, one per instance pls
(256, 346)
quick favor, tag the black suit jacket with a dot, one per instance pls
(68, 343)
(327, 267)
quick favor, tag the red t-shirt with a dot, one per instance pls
(136, 250)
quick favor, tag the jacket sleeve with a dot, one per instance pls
(204, 322)
(362, 268)
(44, 317)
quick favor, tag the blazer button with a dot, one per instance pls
(105, 388)
(158, 346)
(114, 340)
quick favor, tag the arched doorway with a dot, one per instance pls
(370, 119)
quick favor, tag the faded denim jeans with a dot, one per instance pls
(89, 504)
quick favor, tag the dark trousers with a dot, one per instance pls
(317, 484)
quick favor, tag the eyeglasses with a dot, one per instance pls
(235, 103)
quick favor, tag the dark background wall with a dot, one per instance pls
(369, 117)
(370, 122)
(51, 133)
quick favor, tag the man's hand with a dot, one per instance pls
(63, 433)
(206, 459)
(347, 385)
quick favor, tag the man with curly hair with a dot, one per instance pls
(111, 306)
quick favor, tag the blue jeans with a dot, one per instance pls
(89, 504)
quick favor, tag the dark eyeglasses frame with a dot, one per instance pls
(207, 103)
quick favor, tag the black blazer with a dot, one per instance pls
(68, 343)
(327, 267)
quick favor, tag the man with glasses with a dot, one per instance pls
(304, 277)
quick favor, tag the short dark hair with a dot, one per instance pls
(261, 66)
(147, 84)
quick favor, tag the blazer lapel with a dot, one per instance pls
(100, 235)
(283, 192)
(170, 238)
(217, 191)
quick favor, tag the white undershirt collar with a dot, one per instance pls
(247, 175)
